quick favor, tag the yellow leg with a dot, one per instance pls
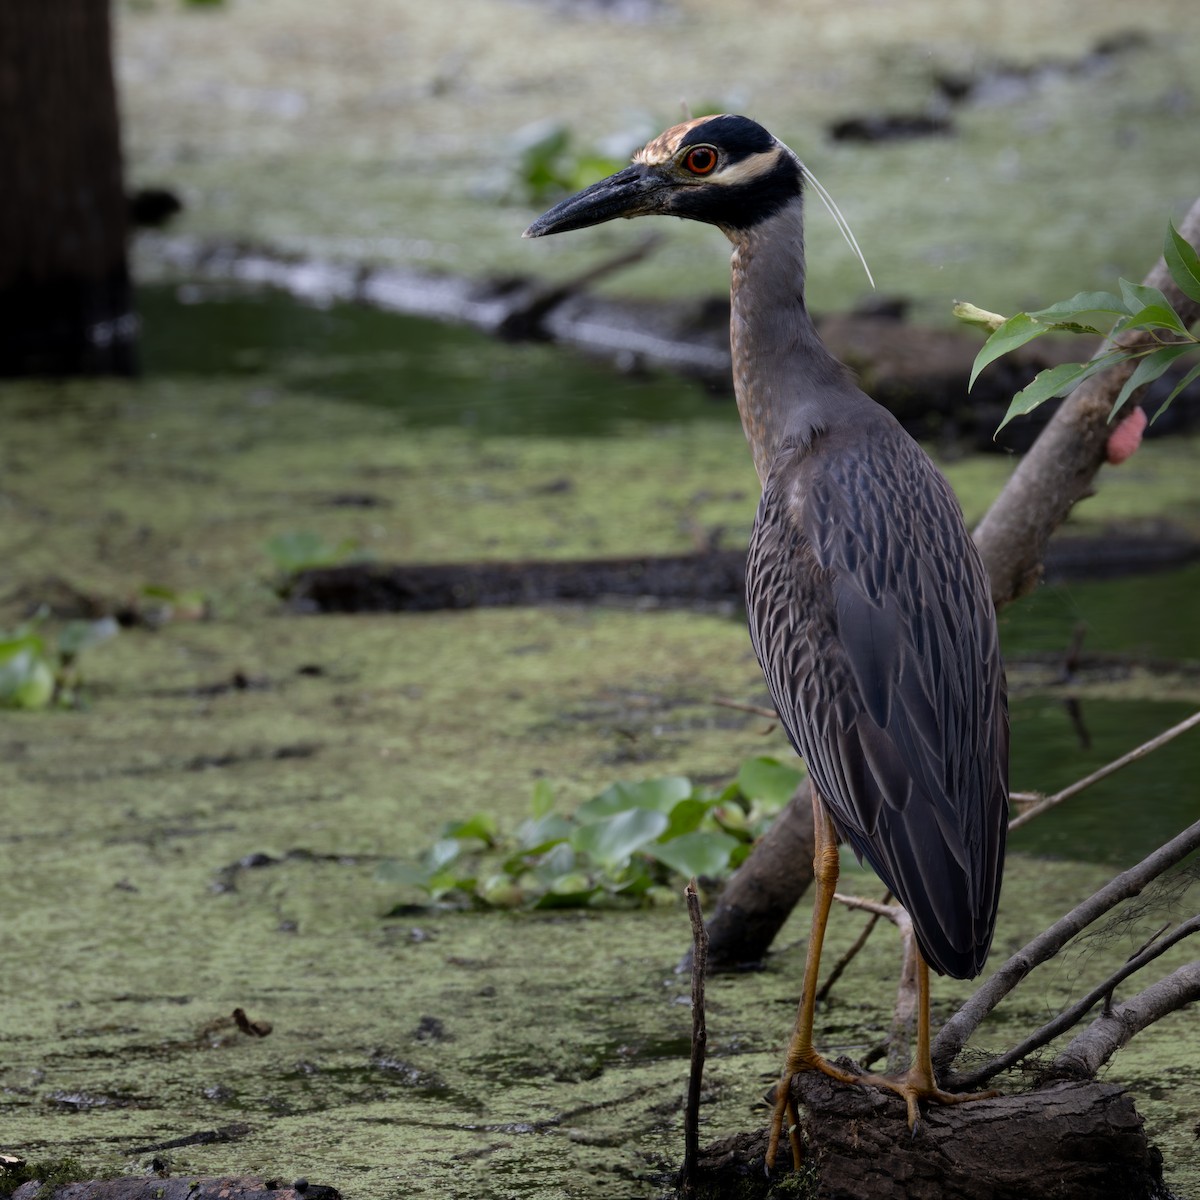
(915, 1085)
(801, 1056)
(918, 1083)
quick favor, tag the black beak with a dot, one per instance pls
(632, 192)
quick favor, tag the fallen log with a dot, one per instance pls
(1069, 1141)
(705, 577)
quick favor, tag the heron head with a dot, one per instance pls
(725, 170)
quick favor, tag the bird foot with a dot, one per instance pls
(806, 1059)
(916, 1085)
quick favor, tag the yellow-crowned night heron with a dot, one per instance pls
(869, 607)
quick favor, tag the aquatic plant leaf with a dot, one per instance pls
(659, 794)
(768, 780)
(704, 852)
(611, 841)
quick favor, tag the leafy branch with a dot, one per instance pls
(1139, 308)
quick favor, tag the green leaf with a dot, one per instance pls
(543, 798)
(1056, 381)
(559, 861)
(1148, 370)
(440, 855)
(1138, 296)
(1016, 331)
(537, 836)
(1153, 316)
(1190, 377)
(686, 816)
(1183, 262)
(768, 780)
(394, 871)
(481, 826)
(610, 842)
(660, 795)
(1082, 304)
(26, 680)
(703, 852)
(77, 636)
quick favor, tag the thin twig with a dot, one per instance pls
(954, 1034)
(1078, 786)
(691, 1120)
(1070, 1016)
(741, 706)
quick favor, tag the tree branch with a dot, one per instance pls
(1078, 1010)
(954, 1034)
(1058, 470)
(1088, 1052)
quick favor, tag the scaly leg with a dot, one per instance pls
(918, 1083)
(801, 1055)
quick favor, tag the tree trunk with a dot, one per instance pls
(1069, 1141)
(65, 294)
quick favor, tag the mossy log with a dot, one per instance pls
(1068, 1140)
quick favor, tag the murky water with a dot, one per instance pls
(482, 1055)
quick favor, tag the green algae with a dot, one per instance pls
(484, 1054)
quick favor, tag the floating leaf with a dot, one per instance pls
(768, 780)
(543, 798)
(481, 826)
(611, 841)
(1183, 262)
(703, 852)
(537, 836)
(660, 795)
(686, 816)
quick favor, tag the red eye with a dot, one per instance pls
(700, 160)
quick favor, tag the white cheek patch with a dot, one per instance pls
(747, 169)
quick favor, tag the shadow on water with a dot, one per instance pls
(434, 375)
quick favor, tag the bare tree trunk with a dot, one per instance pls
(65, 295)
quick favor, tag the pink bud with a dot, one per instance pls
(1126, 438)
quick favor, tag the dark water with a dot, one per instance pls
(437, 375)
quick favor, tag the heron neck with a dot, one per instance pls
(783, 375)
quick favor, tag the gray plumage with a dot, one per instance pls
(868, 605)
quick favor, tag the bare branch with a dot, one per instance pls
(954, 1034)
(691, 1123)
(1079, 1009)
(1110, 768)
(1088, 1052)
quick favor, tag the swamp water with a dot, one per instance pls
(204, 833)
